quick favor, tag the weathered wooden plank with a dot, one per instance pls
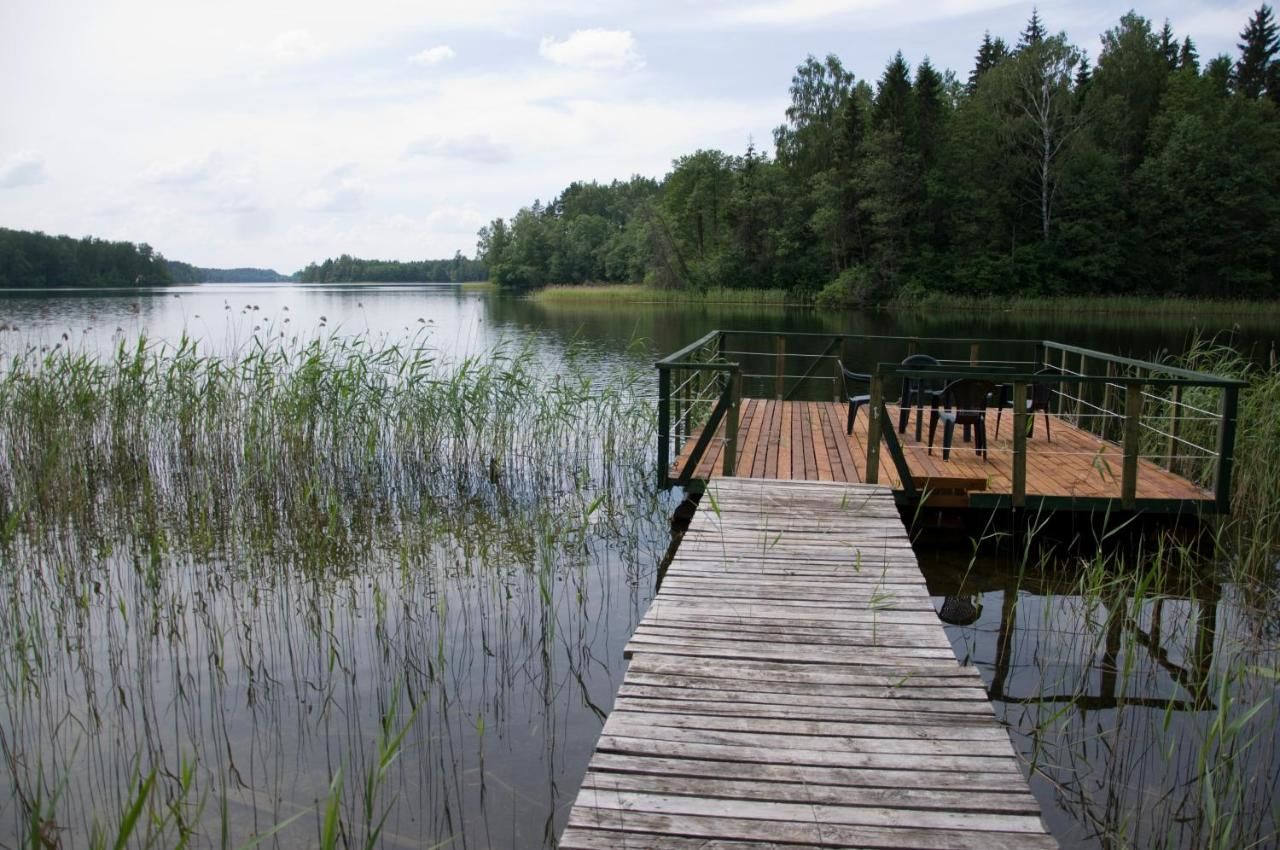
(819, 775)
(802, 832)
(789, 812)
(830, 674)
(880, 790)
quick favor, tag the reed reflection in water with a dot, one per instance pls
(334, 594)
(1139, 682)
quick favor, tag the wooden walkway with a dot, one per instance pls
(806, 440)
(792, 686)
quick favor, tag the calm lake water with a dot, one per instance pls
(1105, 700)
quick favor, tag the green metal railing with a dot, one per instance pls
(1182, 420)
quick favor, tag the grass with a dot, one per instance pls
(640, 294)
(287, 595)
(1088, 304)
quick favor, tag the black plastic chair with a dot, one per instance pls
(1038, 397)
(915, 391)
(963, 402)
(858, 400)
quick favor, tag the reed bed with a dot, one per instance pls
(640, 294)
(339, 593)
(919, 300)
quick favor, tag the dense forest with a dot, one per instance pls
(32, 260)
(187, 273)
(1147, 171)
(348, 269)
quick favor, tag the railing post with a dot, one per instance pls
(664, 425)
(1175, 425)
(731, 423)
(974, 350)
(1106, 400)
(837, 377)
(1226, 447)
(1062, 396)
(1132, 434)
(913, 346)
(1019, 444)
(874, 424)
(1080, 390)
(779, 365)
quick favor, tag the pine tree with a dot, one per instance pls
(1084, 73)
(1169, 46)
(928, 110)
(893, 97)
(1035, 32)
(1188, 57)
(1257, 53)
(990, 53)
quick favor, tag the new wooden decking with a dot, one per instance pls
(806, 440)
(792, 686)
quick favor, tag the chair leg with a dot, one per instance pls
(853, 411)
(903, 412)
(933, 428)
(919, 418)
(948, 430)
(1047, 436)
(980, 439)
(999, 410)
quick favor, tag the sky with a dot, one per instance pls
(273, 133)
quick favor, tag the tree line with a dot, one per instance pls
(180, 272)
(33, 260)
(1147, 171)
(348, 269)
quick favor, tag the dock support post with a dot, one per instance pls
(731, 423)
(779, 365)
(1019, 445)
(1132, 434)
(875, 421)
(664, 425)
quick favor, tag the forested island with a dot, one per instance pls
(348, 269)
(186, 273)
(34, 260)
(1145, 172)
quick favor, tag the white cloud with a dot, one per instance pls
(297, 46)
(433, 55)
(594, 49)
(864, 13)
(183, 172)
(348, 196)
(471, 148)
(22, 169)
(451, 219)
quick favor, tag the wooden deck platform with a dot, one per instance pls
(792, 686)
(806, 441)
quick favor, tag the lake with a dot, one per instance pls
(433, 641)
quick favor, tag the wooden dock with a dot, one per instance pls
(791, 685)
(806, 440)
